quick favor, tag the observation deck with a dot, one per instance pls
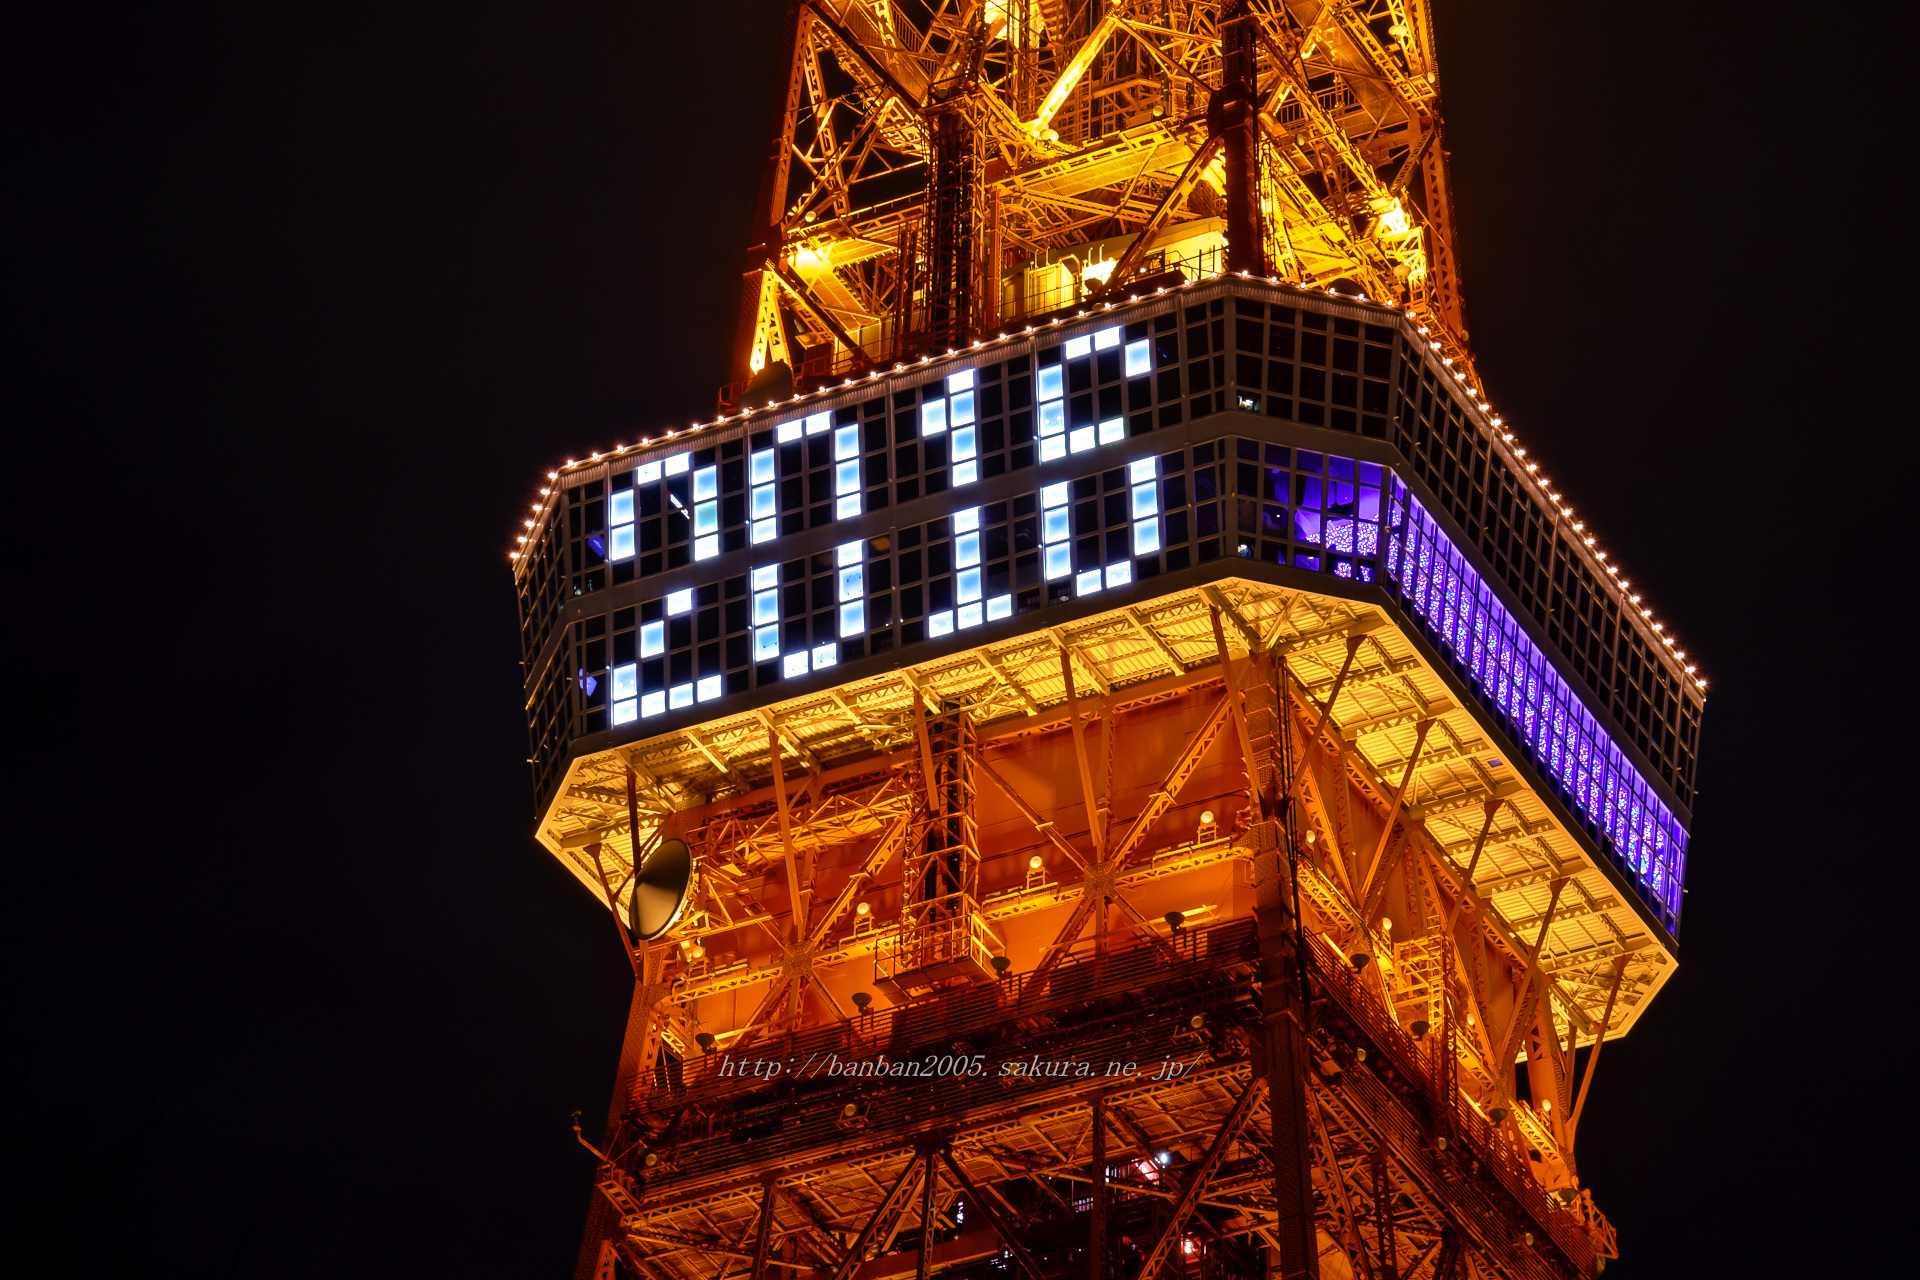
(1304, 460)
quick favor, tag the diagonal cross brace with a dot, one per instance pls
(1190, 1197)
(1001, 1227)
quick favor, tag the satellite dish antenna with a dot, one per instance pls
(661, 888)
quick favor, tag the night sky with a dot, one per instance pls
(302, 300)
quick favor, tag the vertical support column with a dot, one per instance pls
(990, 269)
(1238, 123)
(1283, 999)
(1097, 1232)
(955, 208)
(1283, 1014)
(759, 293)
(940, 865)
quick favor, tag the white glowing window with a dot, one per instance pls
(766, 577)
(846, 508)
(794, 664)
(963, 444)
(1054, 495)
(999, 607)
(825, 655)
(760, 467)
(1049, 386)
(1080, 439)
(679, 602)
(764, 531)
(1119, 575)
(961, 381)
(933, 417)
(652, 704)
(1142, 469)
(1146, 537)
(677, 464)
(966, 472)
(1087, 583)
(818, 422)
(766, 644)
(1113, 430)
(1106, 338)
(706, 484)
(966, 550)
(620, 507)
(852, 583)
(1139, 361)
(653, 639)
(853, 618)
(626, 712)
(967, 584)
(970, 615)
(1053, 418)
(763, 504)
(1080, 346)
(626, 681)
(789, 431)
(706, 548)
(966, 520)
(706, 518)
(962, 409)
(622, 545)
(646, 473)
(1146, 500)
(1059, 561)
(847, 553)
(766, 608)
(846, 478)
(1054, 525)
(1053, 448)
(681, 695)
(846, 443)
(708, 689)
(940, 624)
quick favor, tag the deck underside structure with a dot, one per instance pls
(1201, 933)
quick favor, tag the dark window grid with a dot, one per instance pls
(1276, 513)
(664, 512)
(1453, 462)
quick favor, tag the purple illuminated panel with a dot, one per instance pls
(1599, 783)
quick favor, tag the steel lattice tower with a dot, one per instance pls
(1169, 785)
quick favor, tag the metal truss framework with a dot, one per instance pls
(1246, 830)
(921, 157)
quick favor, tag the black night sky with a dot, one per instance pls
(301, 300)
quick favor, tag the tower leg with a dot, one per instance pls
(1246, 244)
(1285, 1059)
